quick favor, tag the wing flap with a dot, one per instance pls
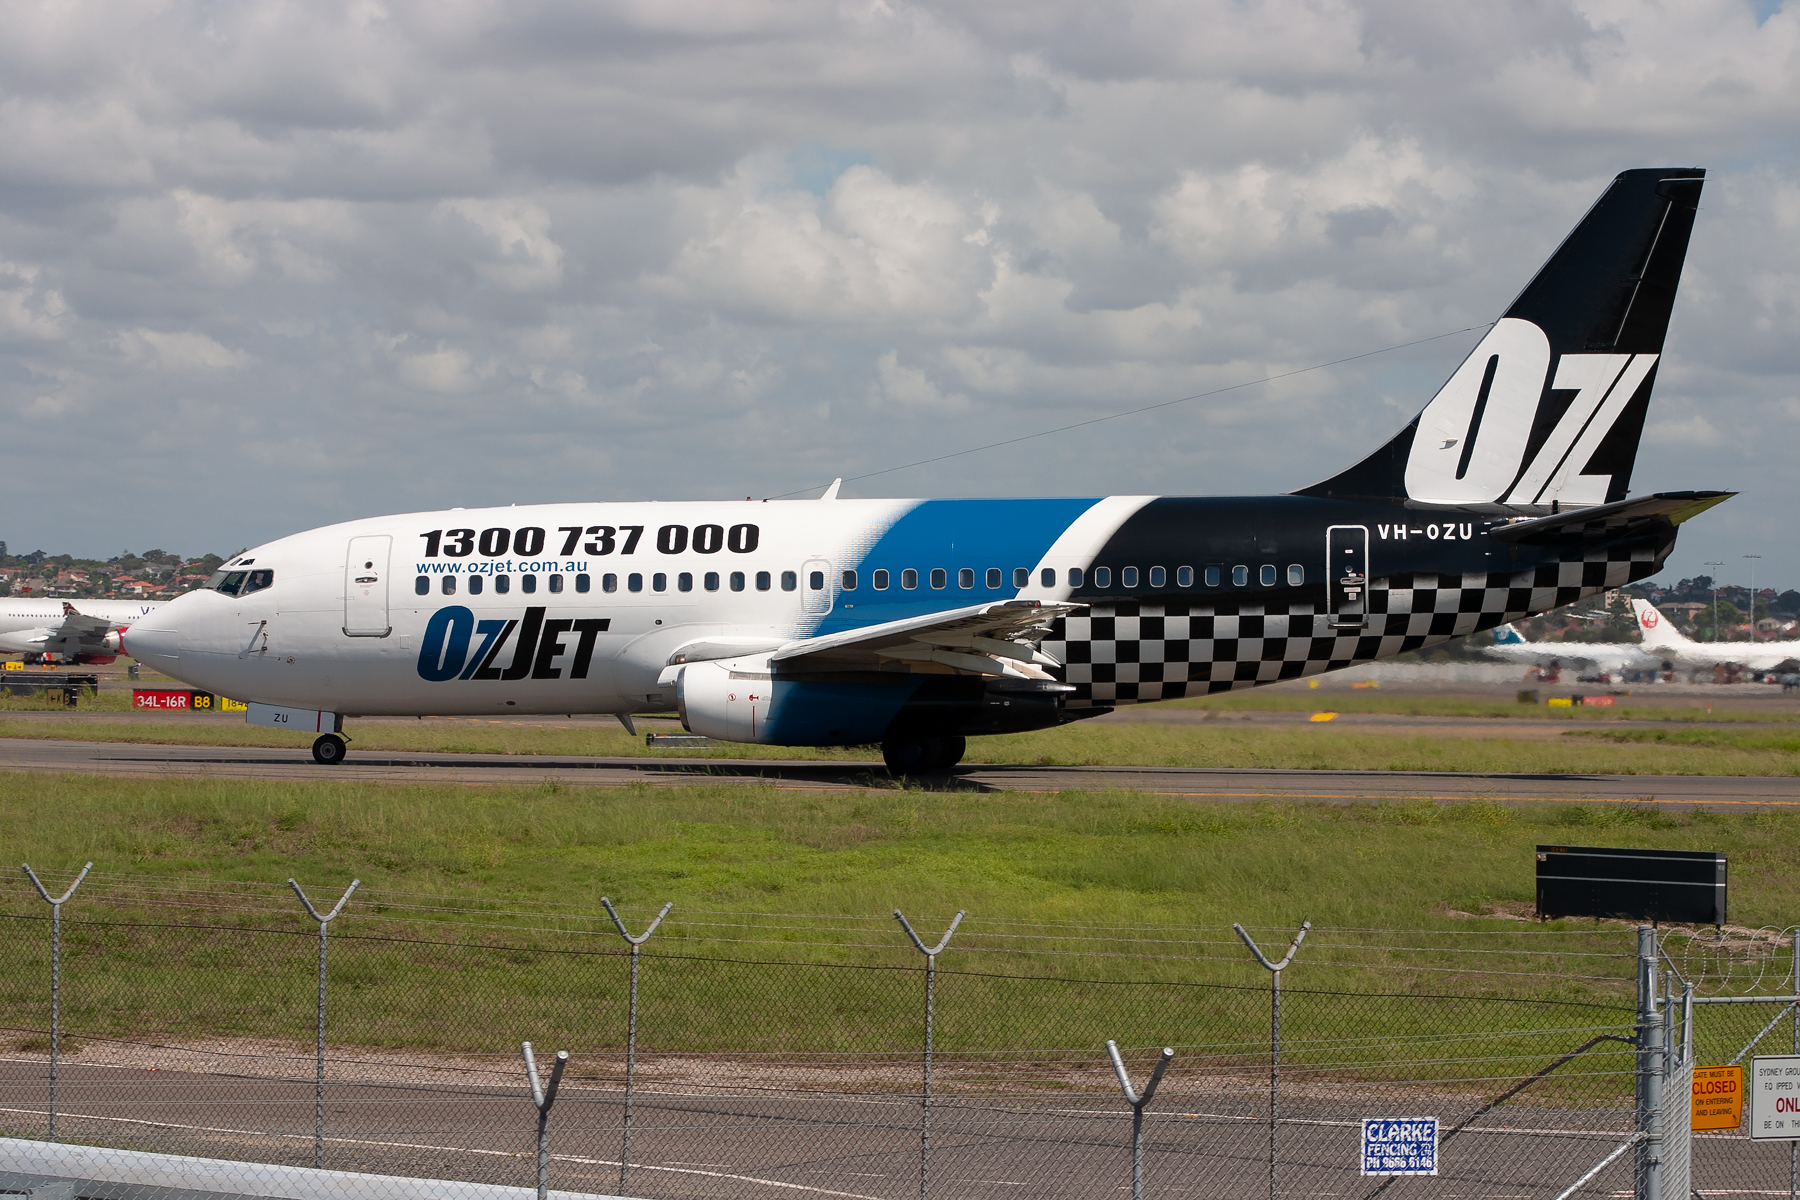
(990, 639)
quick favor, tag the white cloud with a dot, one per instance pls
(28, 309)
(182, 351)
(910, 388)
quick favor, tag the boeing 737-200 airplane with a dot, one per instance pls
(915, 623)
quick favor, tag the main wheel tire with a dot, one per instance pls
(950, 751)
(330, 749)
(906, 755)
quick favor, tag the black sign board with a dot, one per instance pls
(1640, 885)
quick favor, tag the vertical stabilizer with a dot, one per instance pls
(1659, 633)
(1548, 409)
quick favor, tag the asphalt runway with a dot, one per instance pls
(222, 762)
(1204, 1137)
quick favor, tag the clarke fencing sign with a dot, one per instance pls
(1775, 1098)
(1399, 1145)
(1718, 1098)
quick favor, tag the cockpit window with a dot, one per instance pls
(226, 581)
(239, 583)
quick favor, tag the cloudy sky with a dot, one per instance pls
(264, 266)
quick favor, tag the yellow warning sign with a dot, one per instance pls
(1718, 1097)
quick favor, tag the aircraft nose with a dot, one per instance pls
(155, 641)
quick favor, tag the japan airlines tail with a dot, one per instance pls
(917, 623)
(1661, 636)
(94, 632)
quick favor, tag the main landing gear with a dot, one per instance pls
(910, 755)
(330, 749)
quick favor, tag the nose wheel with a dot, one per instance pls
(330, 749)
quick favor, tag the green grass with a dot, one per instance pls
(1373, 700)
(479, 922)
(1311, 747)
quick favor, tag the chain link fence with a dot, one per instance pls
(770, 1060)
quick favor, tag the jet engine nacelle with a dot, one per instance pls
(728, 700)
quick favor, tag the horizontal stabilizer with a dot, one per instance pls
(1611, 519)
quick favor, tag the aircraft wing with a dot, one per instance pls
(991, 639)
(79, 634)
(1616, 518)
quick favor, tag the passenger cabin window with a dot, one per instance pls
(1240, 576)
(528, 584)
(909, 579)
(583, 582)
(737, 581)
(849, 581)
(684, 582)
(711, 581)
(502, 584)
(449, 586)
(939, 578)
(994, 577)
(763, 581)
(1022, 577)
(1267, 575)
(422, 585)
(659, 582)
(1075, 577)
(634, 582)
(815, 580)
(1296, 575)
(609, 583)
(1158, 577)
(1102, 576)
(965, 578)
(475, 582)
(1184, 577)
(790, 580)
(881, 580)
(1047, 577)
(1128, 577)
(1212, 577)
(556, 583)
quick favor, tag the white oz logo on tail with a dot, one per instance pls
(1472, 437)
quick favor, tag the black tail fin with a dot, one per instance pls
(1549, 407)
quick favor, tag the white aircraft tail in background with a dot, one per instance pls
(1661, 637)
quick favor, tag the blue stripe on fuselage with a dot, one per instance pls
(951, 535)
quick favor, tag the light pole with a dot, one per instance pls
(1711, 562)
(1753, 558)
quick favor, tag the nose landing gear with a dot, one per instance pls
(330, 749)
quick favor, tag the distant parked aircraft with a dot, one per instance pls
(1511, 645)
(1661, 637)
(93, 633)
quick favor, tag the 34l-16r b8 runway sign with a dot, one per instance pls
(1775, 1098)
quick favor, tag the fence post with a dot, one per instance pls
(324, 920)
(1275, 969)
(543, 1100)
(1138, 1104)
(55, 976)
(631, 1023)
(1650, 1065)
(930, 1013)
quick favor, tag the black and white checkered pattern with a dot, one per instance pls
(1125, 653)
